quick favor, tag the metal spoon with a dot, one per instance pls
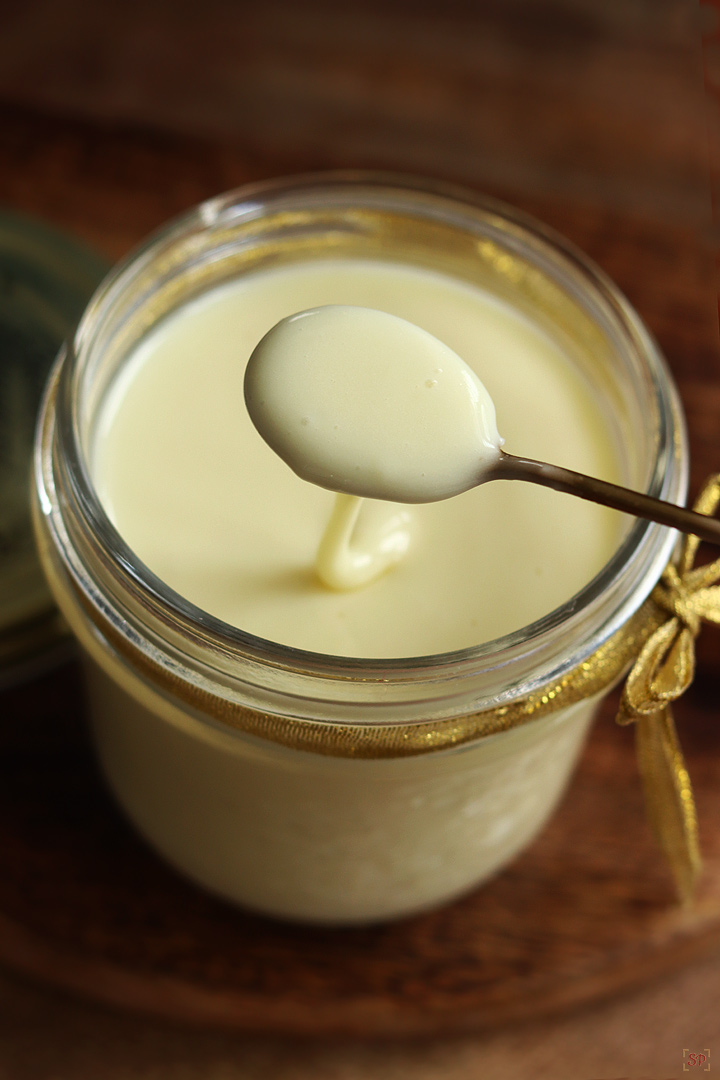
(509, 467)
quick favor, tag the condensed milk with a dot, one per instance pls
(196, 493)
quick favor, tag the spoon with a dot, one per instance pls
(368, 404)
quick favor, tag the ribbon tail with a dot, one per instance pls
(669, 798)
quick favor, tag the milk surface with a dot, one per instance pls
(210, 509)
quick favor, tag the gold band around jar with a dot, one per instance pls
(598, 673)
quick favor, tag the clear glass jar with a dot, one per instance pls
(316, 787)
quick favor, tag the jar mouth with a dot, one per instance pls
(115, 579)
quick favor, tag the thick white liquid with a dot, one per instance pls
(211, 510)
(362, 402)
(369, 405)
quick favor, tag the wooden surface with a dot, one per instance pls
(114, 117)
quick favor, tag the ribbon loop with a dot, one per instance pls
(675, 595)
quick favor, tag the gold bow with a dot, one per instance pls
(662, 673)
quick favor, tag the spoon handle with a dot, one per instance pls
(619, 498)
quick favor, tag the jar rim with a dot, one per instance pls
(586, 620)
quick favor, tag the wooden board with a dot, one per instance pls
(589, 909)
(586, 912)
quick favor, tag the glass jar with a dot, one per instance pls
(317, 787)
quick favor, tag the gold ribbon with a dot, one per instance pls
(664, 669)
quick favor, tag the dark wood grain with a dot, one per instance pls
(592, 99)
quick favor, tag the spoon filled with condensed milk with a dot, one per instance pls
(372, 406)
